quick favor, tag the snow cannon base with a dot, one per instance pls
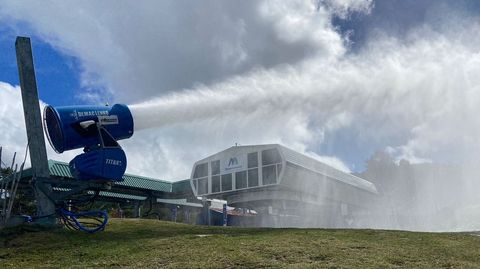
(99, 164)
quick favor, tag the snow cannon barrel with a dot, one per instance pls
(95, 128)
(73, 127)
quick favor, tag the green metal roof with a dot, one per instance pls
(181, 186)
(119, 195)
(132, 187)
(61, 169)
(145, 183)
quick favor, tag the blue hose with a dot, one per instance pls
(70, 220)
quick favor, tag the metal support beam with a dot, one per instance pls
(136, 209)
(33, 123)
(174, 210)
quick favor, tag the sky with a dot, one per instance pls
(334, 79)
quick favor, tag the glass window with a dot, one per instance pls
(195, 184)
(252, 159)
(215, 183)
(253, 177)
(270, 156)
(241, 180)
(202, 185)
(227, 182)
(269, 175)
(201, 170)
(279, 169)
(216, 167)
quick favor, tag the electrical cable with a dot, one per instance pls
(86, 221)
(26, 152)
(73, 218)
(90, 221)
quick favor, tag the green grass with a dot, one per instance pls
(157, 244)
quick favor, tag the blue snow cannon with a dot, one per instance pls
(95, 128)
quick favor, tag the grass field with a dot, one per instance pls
(157, 244)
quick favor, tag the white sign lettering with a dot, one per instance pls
(92, 113)
(233, 163)
(113, 162)
(108, 120)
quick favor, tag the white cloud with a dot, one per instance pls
(137, 50)
(13, 136)
(268, 72)
(12, 125)
(343, 8)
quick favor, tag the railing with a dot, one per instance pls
(8, 185)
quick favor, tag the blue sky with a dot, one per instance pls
(397, 55)
(57, 74)
(398, 17)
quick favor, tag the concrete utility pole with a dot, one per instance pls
(33, 123)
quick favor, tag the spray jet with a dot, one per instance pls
(95, 128)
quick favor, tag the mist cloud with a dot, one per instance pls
(131, 51)
(270, 72)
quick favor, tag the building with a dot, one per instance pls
(285, 187)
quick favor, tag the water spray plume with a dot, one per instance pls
(424, 95)
(411, 95)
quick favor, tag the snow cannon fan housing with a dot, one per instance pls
(95, 128)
